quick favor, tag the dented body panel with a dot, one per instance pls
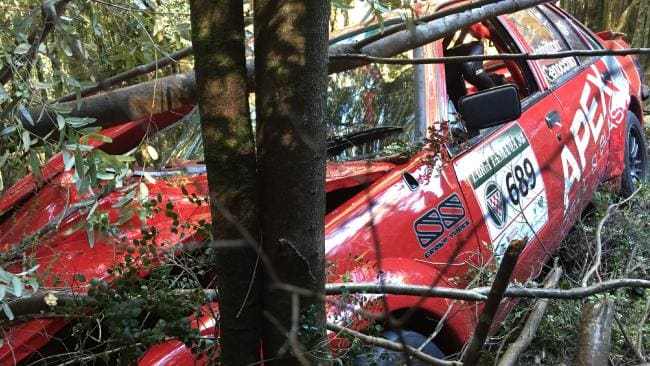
(432, 222)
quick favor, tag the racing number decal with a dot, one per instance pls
(521, 182)
(435, 223)
(505, 178)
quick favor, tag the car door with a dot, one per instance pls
(575, 161)
(510, 177)
(589, 95)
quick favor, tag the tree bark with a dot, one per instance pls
(291, 40)
(220, 66)
(595, 336)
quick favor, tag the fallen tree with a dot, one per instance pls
(168, 94)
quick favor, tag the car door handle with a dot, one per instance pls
(553, 118)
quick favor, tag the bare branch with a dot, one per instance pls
(532, 323)
(499, 57)
(501, 280)
(479, 294)
(390, 345)
(422, 34)
(599, 241)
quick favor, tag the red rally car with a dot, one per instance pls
(526, 145)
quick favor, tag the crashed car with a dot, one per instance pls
(527, 143)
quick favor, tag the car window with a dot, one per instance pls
(575, 40)
(543, 38)
(375, 105)
(370, 113)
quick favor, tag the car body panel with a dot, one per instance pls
(422, 222)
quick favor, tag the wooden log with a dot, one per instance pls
(595, 334)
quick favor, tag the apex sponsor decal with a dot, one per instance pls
(433, 225)
(594, 112)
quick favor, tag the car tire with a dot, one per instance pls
(377, 356)
(636, 156)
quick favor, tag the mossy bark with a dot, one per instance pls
(220, 66)
(291, 78)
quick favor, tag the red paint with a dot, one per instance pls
(432, 234)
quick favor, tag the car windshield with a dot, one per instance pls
(370, 114)
(371, 111)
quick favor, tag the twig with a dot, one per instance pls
(478, 294)
(501, 280)
(599, 241)
(532, 323)
(498, 57)
(51, 10)
(390, 345)
(628, 341)
(129, 74)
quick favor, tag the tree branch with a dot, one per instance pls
(479, 294)
(51, 10)
(501, 280)
(502, 56)
(128, 75)
(532, 323)
(599, 242)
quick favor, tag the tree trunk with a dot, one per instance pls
(291, 39)
(220, 66)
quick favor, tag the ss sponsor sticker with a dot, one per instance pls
(434, 229)
(505, 177)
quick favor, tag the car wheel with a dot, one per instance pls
(377, 356)
(636, 156)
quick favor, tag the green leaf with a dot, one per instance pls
(60, 121)
(8, 130)
(22, 48)
(27, 141)
(35, 166)
(24, 112)
(90, 232)
(18, 286)
(68, 160)
(7, 310)
(3, 94)
(78, 122)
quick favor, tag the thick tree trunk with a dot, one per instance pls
(220, 66)
(291, 77)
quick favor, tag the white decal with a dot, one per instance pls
(508, 186)
(589, 120)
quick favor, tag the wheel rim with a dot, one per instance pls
(636, 157)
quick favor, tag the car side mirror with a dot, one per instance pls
(491, 107)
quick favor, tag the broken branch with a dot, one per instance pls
(532, 323)
(501, 280)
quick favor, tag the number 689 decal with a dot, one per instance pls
(520, 181)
